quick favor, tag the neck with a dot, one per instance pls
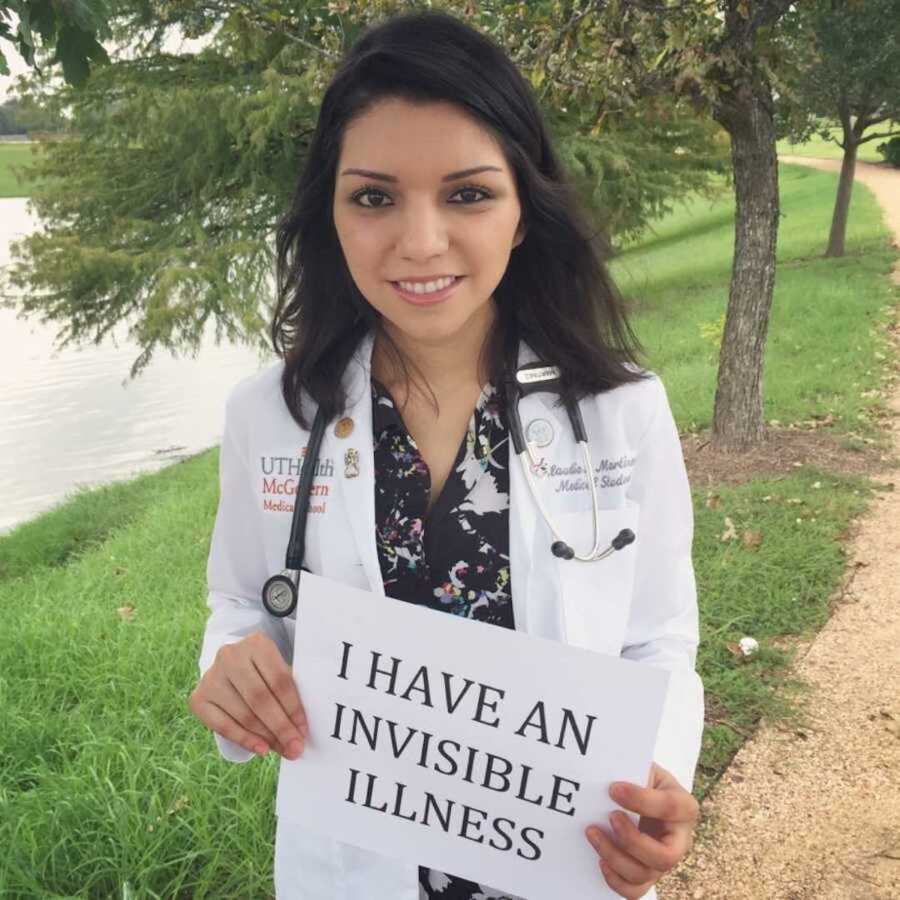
(445, 364)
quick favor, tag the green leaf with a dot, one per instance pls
(44, 19)
(73, 49)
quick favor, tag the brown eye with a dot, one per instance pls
(370, 191)
(365, 192)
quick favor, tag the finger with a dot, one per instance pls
(667, 804)
(278, 675)
(622, 863)
(224, 695)
(219, 721)
(256, 693)
(658, 854)
(622, 887)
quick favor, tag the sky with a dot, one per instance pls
(16, 67)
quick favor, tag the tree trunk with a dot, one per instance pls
(842, 201)
(738, 417)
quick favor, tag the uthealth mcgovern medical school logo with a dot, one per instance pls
(281, 475)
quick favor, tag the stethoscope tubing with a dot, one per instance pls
(294, 556)
(296, 546)
(514, 391)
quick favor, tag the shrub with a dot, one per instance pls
(890, 150)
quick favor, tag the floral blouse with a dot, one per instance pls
(455, 558)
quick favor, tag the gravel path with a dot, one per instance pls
(814, 812)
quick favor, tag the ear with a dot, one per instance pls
(521, 231)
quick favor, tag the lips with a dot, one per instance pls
(430, 298)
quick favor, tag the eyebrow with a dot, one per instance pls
(453, 176)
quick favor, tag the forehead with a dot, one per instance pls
(411, 140)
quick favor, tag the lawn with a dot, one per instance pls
(828, 149)
(109, 788)
(11, 155)
(826, 347)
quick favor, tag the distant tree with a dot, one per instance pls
(9, 122)
(22, 115)
(847, 55)
(725, 57)
(72, 29)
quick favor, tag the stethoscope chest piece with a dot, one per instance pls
(279, 594)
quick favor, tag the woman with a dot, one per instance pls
(432, 246)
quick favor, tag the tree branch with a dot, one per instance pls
(769, 13)
(875, 137)
(879, 119)
(255, 13)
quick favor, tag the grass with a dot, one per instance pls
(112, 781)
(826, 346)
(780, 589)
(108, 787)
(12, 155)
(827, 149)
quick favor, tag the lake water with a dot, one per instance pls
(66, 418)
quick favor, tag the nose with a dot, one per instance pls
(424, 231)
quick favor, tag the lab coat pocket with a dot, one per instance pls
(597, 595)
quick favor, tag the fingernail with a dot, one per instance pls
(617, 791)
(593, 834)
(294, 748)
(614, 819)
(260, 749)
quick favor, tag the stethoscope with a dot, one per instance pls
(279, 593)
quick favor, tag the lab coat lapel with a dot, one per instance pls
(567, 600)
(533, 569)
(357, 492)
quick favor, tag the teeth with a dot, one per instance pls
(428, 287)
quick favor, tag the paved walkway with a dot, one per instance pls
(814, 813)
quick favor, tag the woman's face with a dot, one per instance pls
(406, 220)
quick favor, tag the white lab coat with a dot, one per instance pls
(639, 603)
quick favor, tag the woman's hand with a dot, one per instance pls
(635, 858)
(248, 695)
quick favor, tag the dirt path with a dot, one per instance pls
(815, 812)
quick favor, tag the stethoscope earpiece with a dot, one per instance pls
(562, 550)
(623, 539)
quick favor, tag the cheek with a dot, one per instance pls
(360, 247)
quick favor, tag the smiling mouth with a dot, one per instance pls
(427, 297)
(418, 287)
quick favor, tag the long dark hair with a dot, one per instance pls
(556, 293)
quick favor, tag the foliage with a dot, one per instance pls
(21, 115)
(890, 150)
(71, 29)
(847, 67)
(161, 207)
(9, 123)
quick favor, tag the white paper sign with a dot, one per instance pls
(469, 748)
